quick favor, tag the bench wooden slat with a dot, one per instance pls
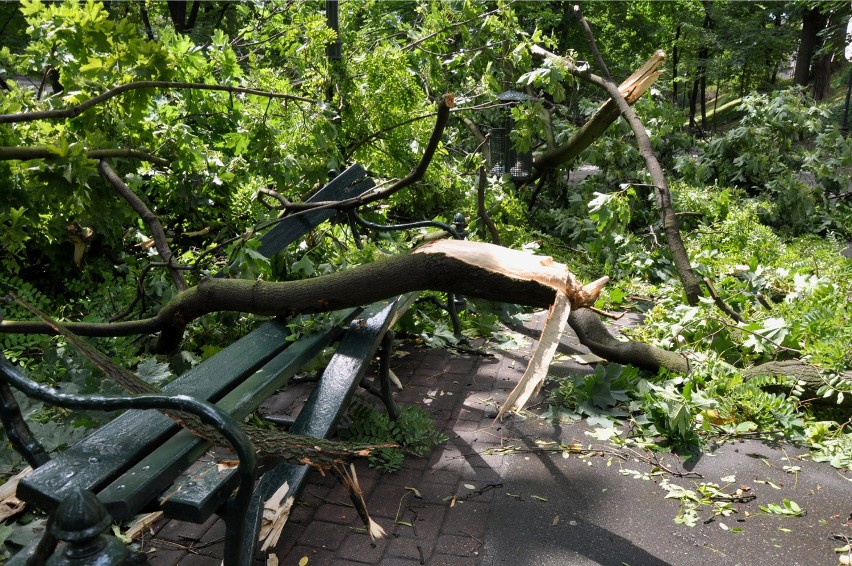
(345, 185)
(98, 458)
(139, 485)
(319, 416)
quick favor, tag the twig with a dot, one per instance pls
(25, 153)
(612, 315)
(723, 306)
(443, 115)
(592, 45)
(151, 219)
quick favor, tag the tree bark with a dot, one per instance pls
(594, 335)
(812, 22)
(811, 376)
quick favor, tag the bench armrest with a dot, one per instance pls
(207, 412)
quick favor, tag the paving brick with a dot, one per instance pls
(385, 502)
(461, 364)
(289, 538)
(399, 562)
(213, 541)
(181, 532)
(406, 476)
(333, 513)
(410, 548)
(358, 548)
(450, 560)
(433, 492)
(200, 560)
(466, 518)
(322, 535)
(480, 475)
(160, 555)
(459, 546)
(426, 520)
(316, 557)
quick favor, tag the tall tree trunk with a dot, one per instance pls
(822, 76)
(703, 94)
(812, 22)
(674, 64)
(699, 86)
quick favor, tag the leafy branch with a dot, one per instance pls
(77, 109)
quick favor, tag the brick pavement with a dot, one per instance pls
(461, 393)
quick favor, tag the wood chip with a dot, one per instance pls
(10, 505)
(142, 524)
(276, 511)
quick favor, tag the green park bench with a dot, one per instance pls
(138, 462)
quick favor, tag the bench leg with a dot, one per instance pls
(46, 546)
(453, 311)
(240, 536)
(384, 375)
(19, 433)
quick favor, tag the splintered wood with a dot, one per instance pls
(529, 267)
(536, 372)
(9, 504)
(519, 265)
(276, 511)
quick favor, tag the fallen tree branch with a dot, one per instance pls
(443, 115)
(723, 306)
(668, 219)
(633, 88)
(594, 335)
(470, 268)
(810, 378)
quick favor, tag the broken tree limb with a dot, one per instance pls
(151, 219)
(594, 335)
(811, 378)
(457, 266)
(668, 220)
(632, 88)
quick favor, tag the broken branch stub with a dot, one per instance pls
(519, 265)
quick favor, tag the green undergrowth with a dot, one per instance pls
(413, 431)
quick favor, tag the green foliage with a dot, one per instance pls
(764, 154)
(413, 431)
(602, 390)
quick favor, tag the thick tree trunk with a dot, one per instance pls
(822, 76)
(812, 22)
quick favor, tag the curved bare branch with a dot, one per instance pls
(78, 109)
